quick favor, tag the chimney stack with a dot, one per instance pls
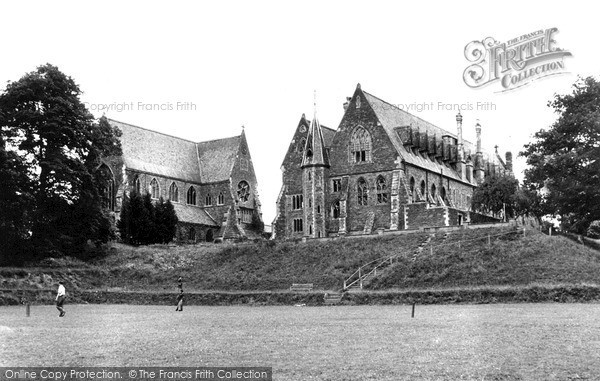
(478, 133)
(348, 99)
(479, 167)
(461, 167)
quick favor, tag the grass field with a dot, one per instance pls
(442, 342)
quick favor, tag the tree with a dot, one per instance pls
(16, 203)
(142, 223)
(496, 194)
(564, 160)
(166, 221)
(60, 145)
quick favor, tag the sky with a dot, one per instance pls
(202, 70)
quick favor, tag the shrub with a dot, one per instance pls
(594, 230)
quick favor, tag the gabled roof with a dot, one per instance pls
(217, 157)
(391, 117)
(154, 152)
(169, 156)
(193, 214)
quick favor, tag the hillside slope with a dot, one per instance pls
(509, 259)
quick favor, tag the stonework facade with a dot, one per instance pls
(382, 169)
(212, 185)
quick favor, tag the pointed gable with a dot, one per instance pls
(216, 158)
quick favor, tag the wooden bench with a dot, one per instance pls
(301, 287)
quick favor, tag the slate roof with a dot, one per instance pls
(328, 134)
(391, 117)
(154, 152)
(217, 157)
(193, 214)
(169, 156)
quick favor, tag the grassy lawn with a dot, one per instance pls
(442, 342)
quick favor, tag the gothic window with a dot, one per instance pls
(221, 199)
(297, 202)
(298, 223)
(137, 185)
(443, 193)
(319, 209)
(382, 195)
(433, 193)
(337, 185)
(412, 189)
(362, 191)
(191, 196)
(174, 192)
(246, 215)
(208, 200)
(243, 190)
(335, 209)
(423, 190)
(310, 202)
(360, 146)
(154, 189)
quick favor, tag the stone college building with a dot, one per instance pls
(383, 169)
(212, 184)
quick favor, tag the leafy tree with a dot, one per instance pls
(16, 204)
(564, 160)
(496, 194)
(43, 120)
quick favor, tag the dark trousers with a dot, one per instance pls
(59, 303)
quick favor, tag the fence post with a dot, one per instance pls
(360, 277)
(412, 315)
(489, 241)
(27, 309)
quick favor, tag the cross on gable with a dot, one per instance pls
(398, 161)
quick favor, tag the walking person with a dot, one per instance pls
(180, 301)
(60, 299)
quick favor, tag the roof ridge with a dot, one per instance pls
(216, 140)
(406, 112)
(147, 129)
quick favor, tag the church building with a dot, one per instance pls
(212, 185)
(383, 169)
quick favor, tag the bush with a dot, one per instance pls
(594, 230)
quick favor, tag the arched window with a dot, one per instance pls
(412, 189)
(110, 195)
(208, 200)
(423, 190)
(174, 192)
(191, 196)
(382, 195)
(335, 209)
(443, 193)
(154, 189)
(137, 185)
(360, 146)
(433, 192)
(243, 191)
(221, 199)
(362, 190)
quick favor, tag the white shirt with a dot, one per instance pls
(61, 290)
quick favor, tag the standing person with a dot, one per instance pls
(180, 301)
(60, 299)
